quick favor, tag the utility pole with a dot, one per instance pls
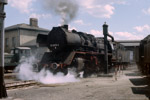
(3, 92)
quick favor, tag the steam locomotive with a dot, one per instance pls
(143, 56)
(83, 51)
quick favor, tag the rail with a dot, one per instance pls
(20, 84)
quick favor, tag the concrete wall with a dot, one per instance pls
(23, 37)
(28, 37)
(40, 52)
(9, 35)
(133, 53)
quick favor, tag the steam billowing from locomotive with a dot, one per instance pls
(26, 71)
(67, 9)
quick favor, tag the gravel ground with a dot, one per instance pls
(130, 85)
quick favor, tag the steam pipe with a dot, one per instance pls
(111, 37)
(105, 32)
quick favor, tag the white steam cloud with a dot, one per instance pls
(67, 9)
(26, 72)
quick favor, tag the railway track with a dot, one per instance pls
(20, 84)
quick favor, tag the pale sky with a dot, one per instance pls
(127, 19)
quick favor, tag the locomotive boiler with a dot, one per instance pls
(69, 49)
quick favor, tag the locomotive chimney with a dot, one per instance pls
(65, 27)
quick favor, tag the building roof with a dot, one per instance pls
(25, 26)
(129, 43)
(147, 37)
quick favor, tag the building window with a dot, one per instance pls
(6, 42)
(14, 41)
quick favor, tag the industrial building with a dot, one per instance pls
(23, 35)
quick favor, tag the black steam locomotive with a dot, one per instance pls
(143, 55)
(76, 49)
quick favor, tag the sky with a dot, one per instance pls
(127, 19)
